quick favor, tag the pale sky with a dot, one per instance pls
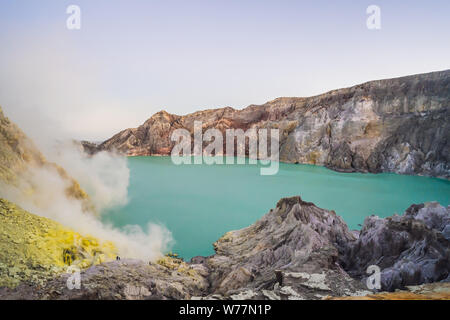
(133, 58)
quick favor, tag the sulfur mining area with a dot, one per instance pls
(34, 249)
(297, 251)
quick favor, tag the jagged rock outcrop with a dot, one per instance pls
(410, 249)
(396, 125)
(433, 215)
(296, 251)
(292, 252)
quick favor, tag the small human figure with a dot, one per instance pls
(117, 258)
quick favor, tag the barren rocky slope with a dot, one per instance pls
(19, 156)
(296, 251)
(35, 249)
(396, 125)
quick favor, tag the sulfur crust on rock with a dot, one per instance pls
(178, 265)
(34, 248)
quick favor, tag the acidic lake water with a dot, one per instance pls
(200, 203)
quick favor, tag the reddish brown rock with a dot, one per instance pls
(396, 125)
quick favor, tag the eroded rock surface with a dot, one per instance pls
(296, 251)
(291, 253)
(410, 249)
(396, 125)
(118, 280)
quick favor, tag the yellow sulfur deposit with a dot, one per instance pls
(429, 291)
(173, 263)
(34, 248)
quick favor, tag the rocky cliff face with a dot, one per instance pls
(296, 251)
(19, 156)
(397, 125)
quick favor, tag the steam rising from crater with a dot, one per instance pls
(105, 177)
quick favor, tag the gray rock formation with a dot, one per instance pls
(119, 280)
(433, 215)
(410, 249)
(396, 125)
(292, 252)
(296, 251)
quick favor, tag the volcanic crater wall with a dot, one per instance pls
(396, 125)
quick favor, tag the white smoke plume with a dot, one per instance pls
(105, 177)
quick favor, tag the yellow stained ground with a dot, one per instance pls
(33, 247)
(432, 291)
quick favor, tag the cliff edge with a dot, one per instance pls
(395, 125)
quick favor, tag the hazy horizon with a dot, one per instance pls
(131, 59)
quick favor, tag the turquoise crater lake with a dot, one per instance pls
(199, 203)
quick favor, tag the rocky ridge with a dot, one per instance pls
(395, 125)
(296, 251)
